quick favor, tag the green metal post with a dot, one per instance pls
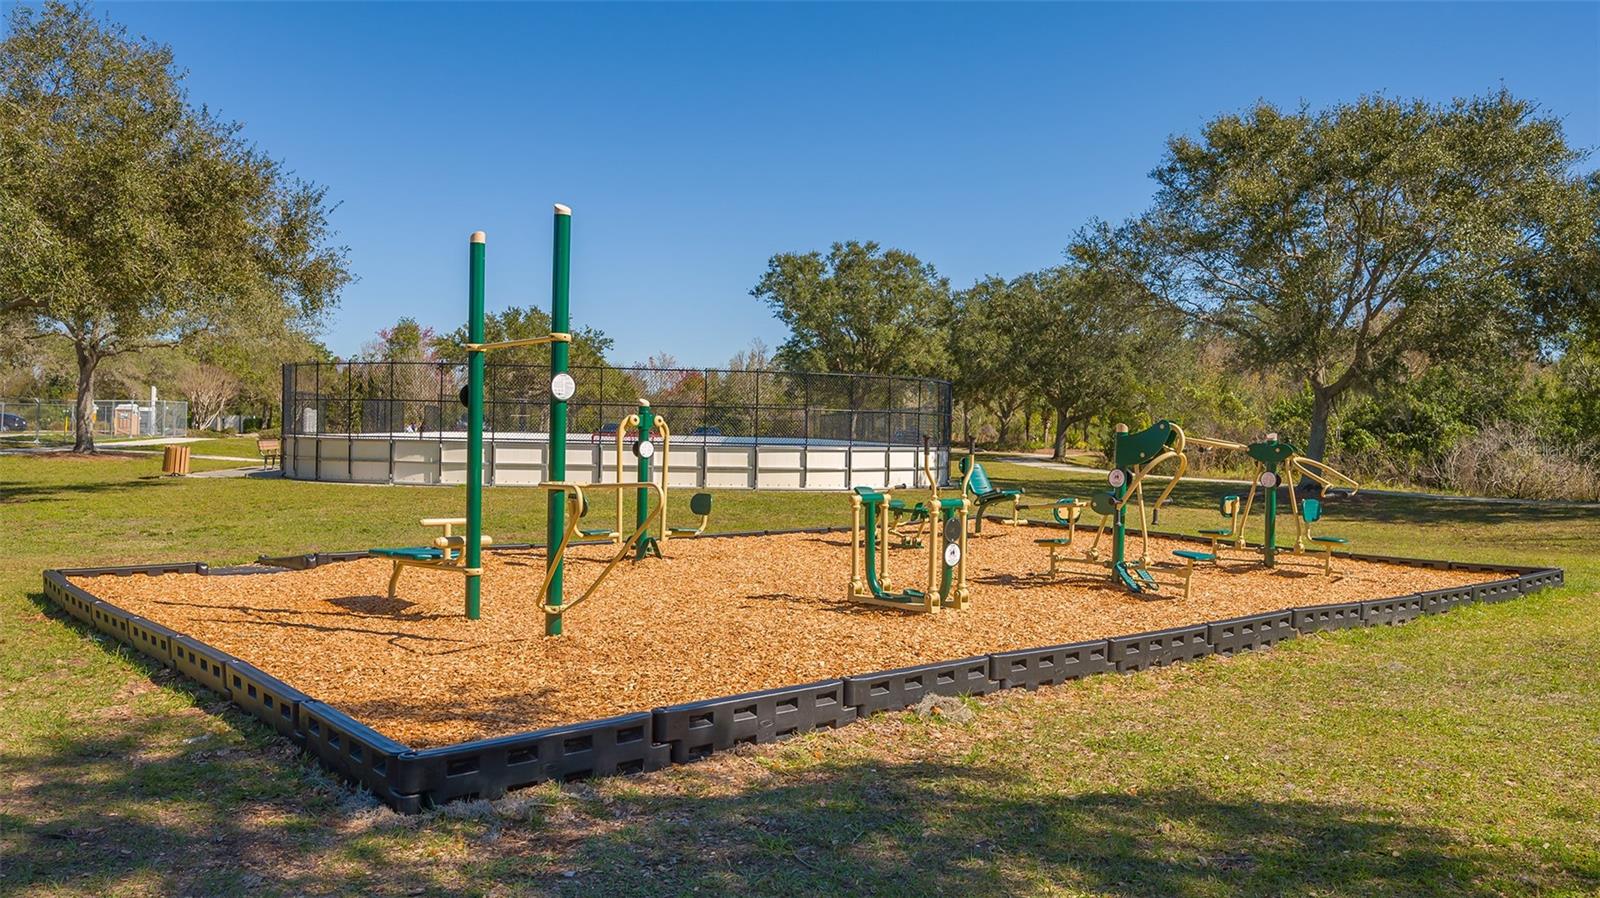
(560, 285)
(646, 544)
(475, 363)
(1119, 534)
(1270, 544)
(647, 420)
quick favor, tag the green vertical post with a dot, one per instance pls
(647, 420)
(646, 543)
(1119, 533)
(475, 361)
(556, 508)
(1269, 545)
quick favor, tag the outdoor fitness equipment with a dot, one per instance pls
(1135, 456)
(648, 423)
(448, 551)
(561, 497)
(946, 540)
(1278, 462)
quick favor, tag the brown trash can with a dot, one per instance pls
(175, 460)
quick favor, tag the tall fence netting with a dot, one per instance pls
(422, 399)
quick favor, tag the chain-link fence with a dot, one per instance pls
(716, 405)
(46, 418)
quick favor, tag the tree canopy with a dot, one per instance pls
(1341, 245)
(859, 309)
(130, 219)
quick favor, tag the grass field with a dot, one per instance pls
(1455, 756)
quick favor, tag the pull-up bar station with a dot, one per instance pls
(566, 503)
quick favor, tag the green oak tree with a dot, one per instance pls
(131, 219)
(989, 337)
(1344, 245)
(859, 309)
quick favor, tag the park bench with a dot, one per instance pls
(271, 452)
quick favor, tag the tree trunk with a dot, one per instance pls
(1060, 451)
(1321, 409)
(83, 426)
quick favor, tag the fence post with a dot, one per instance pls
(388, 420)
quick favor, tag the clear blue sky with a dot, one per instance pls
(693, 142)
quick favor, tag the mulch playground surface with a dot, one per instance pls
(715, 617)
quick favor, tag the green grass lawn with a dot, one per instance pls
(1455, 756)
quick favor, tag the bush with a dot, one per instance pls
(1506, 460)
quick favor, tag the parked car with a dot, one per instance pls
(12, 423)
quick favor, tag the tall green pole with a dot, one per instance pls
(1119, 535)
(475, 362)
(1269, 546)
(647, 421)
(646, 543)
(560, 284)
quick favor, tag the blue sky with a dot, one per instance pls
(694, 141)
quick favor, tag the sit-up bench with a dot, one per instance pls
(448, 552)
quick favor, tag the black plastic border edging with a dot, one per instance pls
(409, 780)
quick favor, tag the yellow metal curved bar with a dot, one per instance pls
(574, 518)
(622, 550)
(1214, 443)
(622, 433)
(552, 337)
(1321, 473)
(666, 453)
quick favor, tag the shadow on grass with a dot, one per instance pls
(46, 492)
(929, 828)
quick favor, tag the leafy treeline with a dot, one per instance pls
(132, 220)
(1408, 289)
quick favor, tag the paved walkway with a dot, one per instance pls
(1045, 464)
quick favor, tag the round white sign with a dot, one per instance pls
(644, 449)
(1117, 477)
(952, 554)
(562, 386)
(1269, 479)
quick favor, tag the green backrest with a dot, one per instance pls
(700, 503)
(1228, 506)
(1311, 510)
(980, 481)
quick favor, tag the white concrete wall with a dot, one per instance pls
(404, 458)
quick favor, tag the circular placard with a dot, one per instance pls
(562, 386)
(952, 530)
(1268, 479)
(952, 555)
(1117, 477)
(644, 448)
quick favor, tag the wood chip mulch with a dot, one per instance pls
(715, 617)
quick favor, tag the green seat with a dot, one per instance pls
(1329, 539)
(1053, 541)
(419, 553)
(1193, 555)
(983, 491)
(1216, 531)
(599, 531)
(700, 504)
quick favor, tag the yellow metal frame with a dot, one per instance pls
(552, 337)
(453, 554)
(931, 601)
(576, 506)
(1296, 466)
(666, 453)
